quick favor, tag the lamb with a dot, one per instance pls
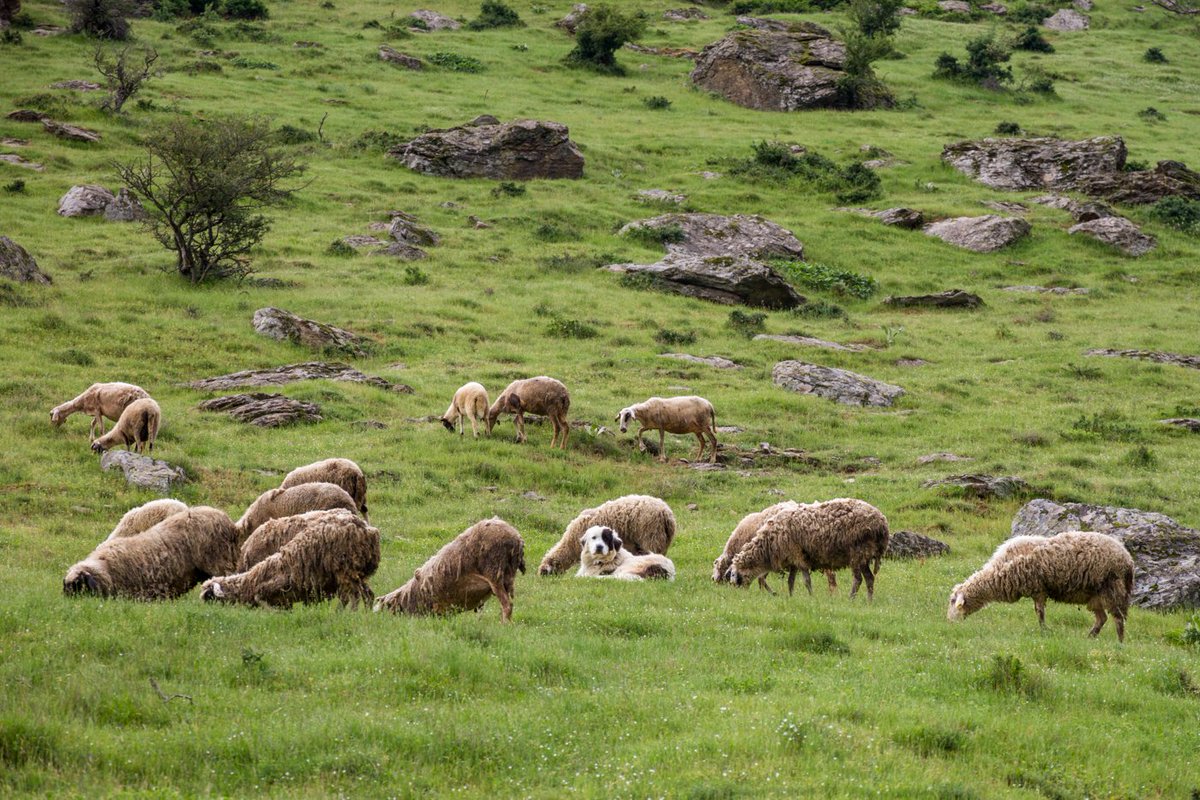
(100, 400)
(828, 536)
(647, 525)
(136, 429)
(276, 503)
(603, 556)
(742, 535)
(161, 563)
(332, 553)
(340, 472)
(470, 402)
(1088, 569)
(481, 561)
(673, 415)
(144, 517)
(539, 395)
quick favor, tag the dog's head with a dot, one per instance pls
(600, 540)
(625, 417)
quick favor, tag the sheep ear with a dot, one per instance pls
(959, 600)
(92, 583)
(514, 401)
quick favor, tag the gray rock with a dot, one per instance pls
(307, 371)
(951, 298)
(984, 487)
(1157, 356)
(358, 241)
(763, 23)
(1059, 290)
(1039, 163)
(77, 85)
(908, 218)
(143, 471)
(1067, 19)
(1081, 212)
(1140, 187)
(1119, 233)
(72, 132)
(708, 235)
(660, 196)
(809, 341)
(18, 161)
(571, 21)
(911, 362)
(275, 323)
(842, 386)
(955, 6)
(85, 201)
(935, 457)
(1082, 5)
(711, 361)
(401, 251)
(125, 207)
(405, 228)
(433, 21)
(731, 280)
(394, 56)
(1004, 206)
(264, 410)
(999, 9)
(17, 265)
(1187, 423)
(26, 115)
(683, 14)
(984, 234)
(518, 150)
(906, 544)
(1166, 554)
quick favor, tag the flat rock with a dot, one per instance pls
(842, 386)
(9, 141)
(1117, 232)
(1005, 206)
(984, 487)
(275, 323)
(433, 21)
(763, 23)
(77, 85)
(711, 361)
(405, 228)
(708, 235)
(1081, 212)
(1037, 163)
(18, 161)
(1059, 290)
(1166, 554)
(774, 70)
(1177, 359)
(660, 196)
(683, 14)
(1140, 187)
(125, 207)
(75, 133)
(289, 373)
(264, 410)
(810, 341)
(401, 251)
(143, 471)
(519, 150)
(731, 280)
(936, 457)
(1187, 423)
(911, 362)
(393, 56)
(951, 298)
(17, 265)
(85, 201)
(571, 21)
(26, 115)
(909, 218)
(955, 6)
(906, 544)
(1067, 19)
(999, 9)
(358, 241)
(984, 234)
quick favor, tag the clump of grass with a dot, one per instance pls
(290, 134)
(1151, 114)
(657, 235)
(820, 309)
(1110, 426)
(1008, 128)
(11, 36)
(1189, 636)
(822, 277)
(792, 733)
(550, 232)
(1154, 55)
(508, 189)
(1084, 372)
(23, 742)
(1176, 681)
(656, 103)
(75, 357)
(817, 642)
(15, 187)
(779, 162)
(575, 262)
(245, 62)
(932, 740)
(673, 338)
(1008, 675)
(639, 280)
(495, 14)
(414, 276)
(563, 328)
(1179, 213)
(1031, 40)
(1140, 457)
(339, 248)
(1031, 439)
(456, 62)
(377, 140)
(747, 323)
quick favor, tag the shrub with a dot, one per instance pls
(666, 234)
(1008, 129)
(495, 14)
(10, 36)
(875, 18)
(1152, 114)
(1140, 457)
(666, 336)
(857, 184)
(1038, 81)
(1029, 13)
(508, 189)
(123, 74)
(1107, 425)
(570, 329)
(830, 279)
(456, 63)
(244, 9)
(820, 309)
(245, 62)
(1007, 674)
(290, 134)
(985, 64)
(339, 248)
(601, 32)
(377, 140)
(1154, 55)
(103, 19)
(860, 87)
(415, 276)
(657, 103)
(1031, 40)
(931, 741)
(16, 187)
(747, 323)
(777, 162)
(1178, 212)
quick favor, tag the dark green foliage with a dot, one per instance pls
(1031, 40)
(290, 134)
(339, 248)
(1030, 13)
(203, 30)
(777, 162)
(43, 101)
(562, 328)
(1038, 81)
(875, 18)
(245, 62)
(932, 740)
(244, 9)
(495, 14)
(1189, 636)
(1008, 128)
(661, 235)
(508, 189)
(456, 62)
(1140, 457)
(201, 66)
(672, 338)
(748, 323)
(75, 357)
(377, 140)
(820, 309)
(601, 32)
(10, 35)
(820, 643)
(1179, 213)
(828, 279)
(166, 10)
(985, 64)
(1006, 674)
(857, 184)
(1154, 55)
(657, 103)
(552, 232)
(576, 262)
(414, 276)
(102, 19)
(15, 187)
(1110, 426)
(1152, 114)
(860, 87)
(23, 742)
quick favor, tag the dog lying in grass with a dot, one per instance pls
(603, 557)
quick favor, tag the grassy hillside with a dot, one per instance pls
(597, 689)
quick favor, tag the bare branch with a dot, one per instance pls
(166, 698)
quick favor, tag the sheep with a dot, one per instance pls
(826, 536)
(100, 400)
(673, 415)
(161, 563)
(646, 523)
(470, 402)
(340, 472)
(144, 517)
(539, 395)
(602, 556)
(276, 503)
(742, 535)
(1088, 569)
(136, 429)
(481, 561)
(331, 553)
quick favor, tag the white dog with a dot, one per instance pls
(603, 557)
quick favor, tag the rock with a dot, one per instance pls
(809, 341)
(906, 544)
(84, 201)
(1119, 233)
(984, 487)
(731, 280)
(405, 228)
(660, 196)
(394, 56)
(8, 141)
(358, 241)
(712, 361)
(1186, 423)
(518, 150)
(372, 424)
(402, 251)
(934, 457)
(709, 176)
(984, 234)
(1066, 19)
(125, 207)
(911, 362)
(17, 161)
(1082, 5)
(999, 9)
(532, 495)
(571, 21)
(1081, 212)
(264, 410)
(955, 6)
(48, 30)
(143, 471)
(951, 298)
(707, 235)
(908, 218)
(683, 14)
(275, 323)
(1150, 355)
(1167, 179)
(1004, 206)
(669, 52)
(477, 223)
(26, 115)
(842, 386)
(1166, 554)
(763, 24)
(1039, 163)
(1060, 290)
(883, 163)
(77, 85)
(433, 21)
(289, 373)
(307, 45)
(72, 132)
(17, 265)
(483, 119)
(774, 70)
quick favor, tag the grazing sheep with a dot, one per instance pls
(99, 400)
(1087, 569)
(481, 561)
(276, 503)
(828, 536)
(161, 563)
(541, 395)
(470, 402)
(603, 557)
(646, 524)
(331, 553)
(142, 518)
(340, 472)
(742, 535)
(673, 415)
(136, 429)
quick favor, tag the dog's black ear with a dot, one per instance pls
(606, 536)
(616, 541)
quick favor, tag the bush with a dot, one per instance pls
(456, 63)
(857, 184)
(828, 279)
(666, 336)
(1178, 212)
(1029, 13)
(1008, 128)
(1152, 114)
(664, 235)
(495, 14)
(1007, 674)
(508, 189)
(245, 62)
(1038, 81)
(10, 36)
(339, 248)
(601, 32)
(985, 64)
(561, 328)
(775, 161)
(415, 276)
(860, 87)
(377, 140)
(1154, 55)
(244, 9)
(290, 134)
(103, 19)
(1110, 426)
(1031, 40)
(657, 103)
(748, 323)
(16, 187)
(875, 18)
(820, 309)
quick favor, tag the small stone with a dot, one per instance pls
(1157, 356)
(711, 361)
(476, 223)
(951, 298)
(660, 196)
(72, 132)
(532, 495)
(143, 471)
(1059, 290)
(934, 457)
(433, 21)
(394, 56)
(18, 161)
(358, 241)
(693, 507)
(77, 85)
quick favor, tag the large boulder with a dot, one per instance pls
(1067, 19)
(125, 207)
(1040, 163)
(1141, 187)
(571, 21)
(85, 201)
(773, 70)
(17, 265)
(1166, 554)
(906, 544)
(264, 410)
(308, 371)
(842, 386)
(393, 56)
(716, 235)
(951, 298)
(732, 280)
(984, 234)
(519, 150)
(275, 323)
(144, 471)
(1119, 233)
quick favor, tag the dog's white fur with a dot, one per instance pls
(602, 556)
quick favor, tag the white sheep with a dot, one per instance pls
(144, 517)
(689, 414)
(100, 400)
(136, 429)
(470, 402)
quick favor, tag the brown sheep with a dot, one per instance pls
(332, 553)
(481, 561)
(646, 525)
(689, 414)
(276, 503)
(136, 429)
(541, 395)
(340, 472)
(144, 517)
(99, 400)
(742, 535)
(161, 563)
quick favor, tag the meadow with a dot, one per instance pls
(597, 689)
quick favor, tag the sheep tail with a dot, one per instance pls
(143, 435)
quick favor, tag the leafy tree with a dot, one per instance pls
(123, 75)
(601, 32)
(860, 87)
(495, 14)
(103, 19)
(875, 17)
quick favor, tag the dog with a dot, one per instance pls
(602, 556)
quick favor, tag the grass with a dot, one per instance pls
(597, 689)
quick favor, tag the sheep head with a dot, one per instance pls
(957, 609)
(80, 581)
(626, 416)
(447, 424)
(211, 590)
(57, 416)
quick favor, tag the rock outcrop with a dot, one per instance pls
(433, 21)
(17, 265)
(1176, 359)
(85, 201)
(289, 373)
(906, 544)
(711, 361)
(1067, 19)
(1118, 233)
(264, 410)
(951, 298)
(842, 386)
(284, 326)
(519, 150)
(143, 471)
(984, 234)
(810, 341)
(984, 487)
(1039, 163)
(393, 56)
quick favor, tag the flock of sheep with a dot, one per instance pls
(309, 540)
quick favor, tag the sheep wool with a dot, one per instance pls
(541, 395)
(136, 429)
(470, 402)
(689, 414)
(144, 517)
(99, 401)
(276, 503)
(340, 472)
(646, 525)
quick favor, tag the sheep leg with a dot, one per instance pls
(700, 454)
(1039, 605)
(519, 420)
(870, 576)
(807, 574)
(1097, 608)
(712, 459)
(762, 582)
(474, 428)
(1119, 618)
(662, 447)
(831, 579)
(858, 577)
(566, 431)
(505, 600)
(97, 421)
(791, 581)
(641, 441)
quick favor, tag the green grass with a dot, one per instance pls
(597, 689)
